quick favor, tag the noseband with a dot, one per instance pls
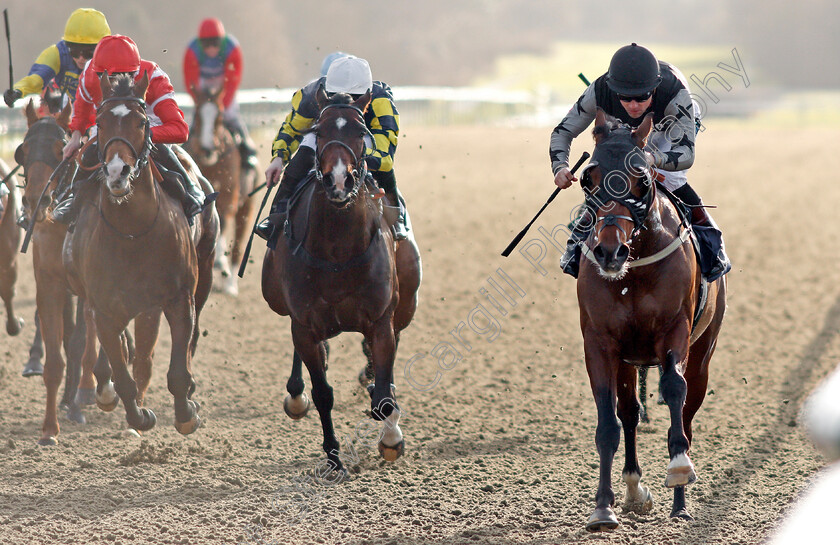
(358, 173)
(143, 155)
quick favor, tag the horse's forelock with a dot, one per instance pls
(341, 98)
(122, 85)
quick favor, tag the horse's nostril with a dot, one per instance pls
(126, 170)
(598, 252)
(622, 252)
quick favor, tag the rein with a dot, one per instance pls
(143, 156)
(358, 174)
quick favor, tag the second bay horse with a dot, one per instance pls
(342, 271)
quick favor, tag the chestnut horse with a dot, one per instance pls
(638, 294)
(133, 255)
(9, 247)
(339, 270)
(40, 154)
(213, 149)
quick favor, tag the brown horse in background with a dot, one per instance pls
(133, 255)
(9, 248)
(339, 270)
(638, 294)
(215, 152)
(40, 154)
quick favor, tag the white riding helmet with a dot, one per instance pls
(349, 75)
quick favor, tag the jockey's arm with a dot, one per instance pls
(679, 130)
(173, 129)
(191, 72)
(385, 127)
(580, 116)
(84, 113)
(46, 66)
(233, 75)
(297, 121)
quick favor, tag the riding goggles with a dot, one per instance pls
(635, 98)
(81, 50)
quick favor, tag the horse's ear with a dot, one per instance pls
(63, 118)
(321, 98)
(600, 129)
(30, 112)
(58, 149)
(600, 117)
(643, 131)
(105, 84)
(141, 86)
(363, 102)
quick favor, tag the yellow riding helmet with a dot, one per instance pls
(86, 26)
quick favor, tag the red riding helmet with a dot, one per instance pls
(211, 28)
(116, 53)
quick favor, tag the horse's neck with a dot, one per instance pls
(139, 208)
(340, 233)
(661, 226)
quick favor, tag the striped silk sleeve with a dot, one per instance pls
(385, 127)
(579, 117)
(289, 136)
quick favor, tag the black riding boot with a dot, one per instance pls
(67, 209)
(714, 262)
(297, 169)
(581, 227)
(395, 209)
(170, 167)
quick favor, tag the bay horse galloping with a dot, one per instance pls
(340, 270)
(639, 295)
(40, 154)
(133, 255)
(215, 152)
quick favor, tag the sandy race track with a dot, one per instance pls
(499, 448)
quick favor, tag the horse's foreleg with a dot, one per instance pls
(202, 293)
(674, 390)
(602, 370)
(383, 401)
(75, 349)
(8, 277)
(296, 403)
(146, 327)
(313, 354)
(243, 229)
(638, 498)
(113, 342)
(87, 385)
(50, 310)
(181, 318)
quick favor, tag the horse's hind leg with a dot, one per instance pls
(75, 353)
(366, 373)
(638, 498)
(146, 327)
(114, 343)
(51, 319)
(313, 353)
(33, 366)
(180, 316)
(297, 402)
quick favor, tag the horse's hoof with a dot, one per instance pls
(640, 505)
(186, 428)
(14, 326)
(296, 407)
(364, 380)
(680, 472)
(33, 368)
(149, 420)
(681, 514)
(107, 399)
(48, 441)
(602, 519)
(390, 454)
(75, 414)
(86, 396)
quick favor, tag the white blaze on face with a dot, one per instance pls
(340, 123)
(117, 183)
(339, 174)
(208, 112)
(120, 110)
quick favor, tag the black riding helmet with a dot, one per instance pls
(634, 71)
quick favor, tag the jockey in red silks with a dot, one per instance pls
(213, 60)
(116, 55)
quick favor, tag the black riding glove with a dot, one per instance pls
(11, 95)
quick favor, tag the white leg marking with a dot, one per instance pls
(391, 432)
(108, 394)
(208, 112)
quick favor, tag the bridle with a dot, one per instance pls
(638, 207)
(143, 155)
(359, 173)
